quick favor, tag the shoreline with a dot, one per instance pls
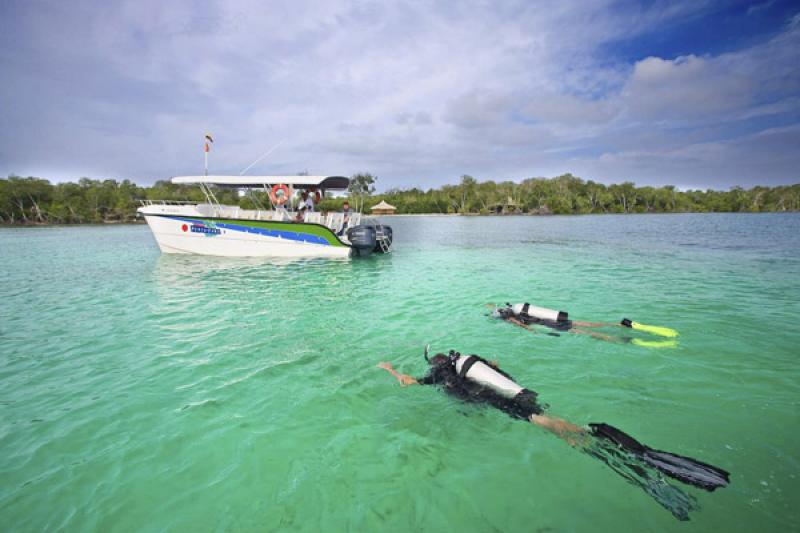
(53, 224)
(585, 214)
(410, 215)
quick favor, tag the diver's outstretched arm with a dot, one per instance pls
(404, 379)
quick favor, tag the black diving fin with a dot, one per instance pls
(684, 469)
(670, 497)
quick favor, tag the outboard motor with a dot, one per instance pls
(362, 239)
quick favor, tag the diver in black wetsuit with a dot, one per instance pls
(566, 325)
(560, 321)
(637, 463)
(523, 405)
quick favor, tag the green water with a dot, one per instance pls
(141, 392)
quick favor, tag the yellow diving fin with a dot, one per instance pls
(655, 330)
(655, 344)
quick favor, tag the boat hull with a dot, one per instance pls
(225, 237)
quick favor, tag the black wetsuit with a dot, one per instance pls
(564, 325)
(521, 406)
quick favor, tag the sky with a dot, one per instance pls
(697, 94)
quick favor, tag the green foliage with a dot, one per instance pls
(568, 194)
(36, 201)
(362, 185)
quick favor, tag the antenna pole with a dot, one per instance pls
(208, 139)
(265, 154)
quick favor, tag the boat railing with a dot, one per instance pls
(280, 215)
(333, 220)
(167, 202)
(314, 218)
(225, 211)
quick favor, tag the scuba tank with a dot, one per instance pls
(474, 369)
(542, 313)
(477, 370)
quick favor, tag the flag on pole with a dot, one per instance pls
(208, 139)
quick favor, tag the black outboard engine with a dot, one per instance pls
(362, 239)
(368, 238)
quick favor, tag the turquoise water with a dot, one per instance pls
(145, 392)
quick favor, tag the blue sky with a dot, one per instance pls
(690, 93)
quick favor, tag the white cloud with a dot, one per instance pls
(685, 88)
(725, 87)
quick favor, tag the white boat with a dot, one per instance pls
(211, 228)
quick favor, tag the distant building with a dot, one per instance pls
(383, 209)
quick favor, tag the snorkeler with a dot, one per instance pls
(527, 315)
(474, 379)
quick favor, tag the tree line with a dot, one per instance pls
(32, 200)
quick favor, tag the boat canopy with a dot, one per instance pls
(250, 182)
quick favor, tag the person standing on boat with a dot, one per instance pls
(309, 202)
(306, 205)
(347, 212)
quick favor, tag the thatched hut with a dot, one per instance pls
(383, 209)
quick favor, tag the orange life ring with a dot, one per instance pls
(279, 200)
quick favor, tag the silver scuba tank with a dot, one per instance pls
(542, 313)
(487, 376)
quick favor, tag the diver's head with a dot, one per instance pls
(439, 359)
(502, 312)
